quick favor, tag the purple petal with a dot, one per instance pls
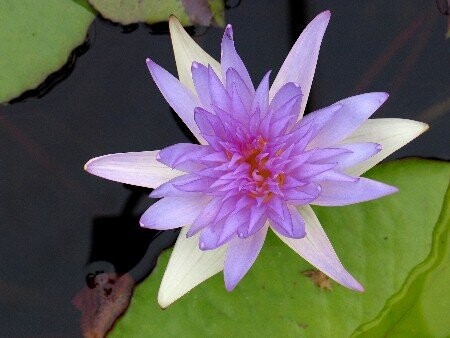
(261, 99)
(354, 111)
(286, 93)
(303, 194)
(300, 64)
(173, 212)
(218, 93)
(186, 51)
(138, 168)
(308, 170)
(328, 155)
(284, 118)
(359, 152)
(206, 217)
(200, 76)
(177, 95)
(290, 224)
(184, 156)
(231, 59)
(317, 250)
(240, 112)
(317, 119)
(336, 193)
(169, 189)
(241, 255)
(234, 80)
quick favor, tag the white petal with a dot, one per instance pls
(300, 64)
(138, 168)
(186, 51)
(390, 133)
(318, 251)
(188, 266)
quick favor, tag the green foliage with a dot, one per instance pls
(36, 39)
(385, 244)
(152, 11)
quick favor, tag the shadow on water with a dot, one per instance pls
(121, 245)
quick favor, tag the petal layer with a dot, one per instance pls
(353, 112)
(317, 250)
(179, 97)
(390, 133)
(186, 51)
(300, 64)
(188, 266)
(241, 255)
(136, 168)
(338, 193)
(173, 212)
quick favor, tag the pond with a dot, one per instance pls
(62, 226)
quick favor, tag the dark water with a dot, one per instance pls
(59, 224)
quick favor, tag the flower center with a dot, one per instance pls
(261, 174)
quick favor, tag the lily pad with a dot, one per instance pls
(188, 12)
(381, 243)
(36, 39)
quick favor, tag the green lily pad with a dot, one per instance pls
(36, 39)
(381, 242)
(189, 12)
(424, 296)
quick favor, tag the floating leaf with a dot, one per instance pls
(424, 296)
(189, 12)
(380, 242)
(36, 39)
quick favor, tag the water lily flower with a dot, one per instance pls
(259, 164)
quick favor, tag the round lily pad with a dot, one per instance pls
(188, 12)
(36, 39)
(381, 242)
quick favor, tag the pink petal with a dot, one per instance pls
(241, 255)
(300, 64)
(181, 99)
(138, 168)
(173, 212)
(317, 250)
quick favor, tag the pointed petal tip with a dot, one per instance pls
(164, 300)
(228, 32)
(173, 20)
(423, 126)
(87, 165)
(229, 286)
(383, 96)
(326, 13)
(356, 286)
